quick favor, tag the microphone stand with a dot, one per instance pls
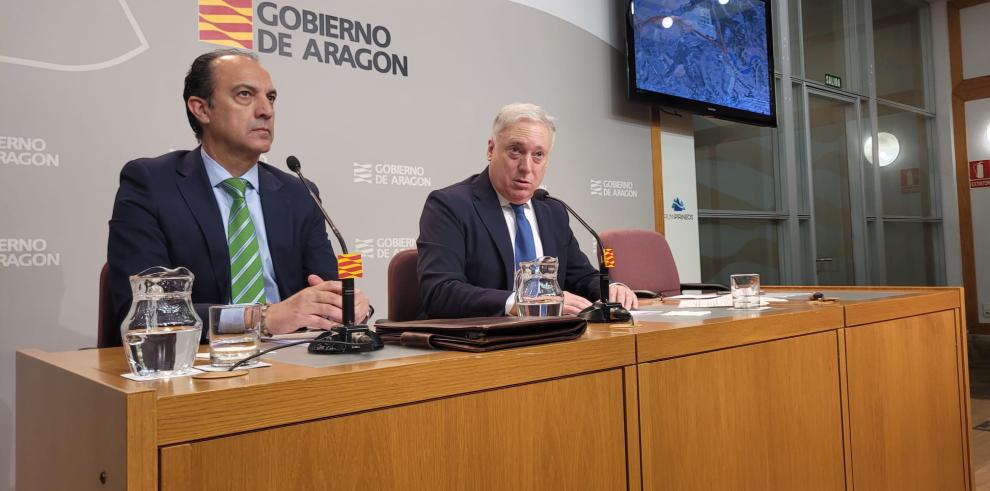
(349, 331)
(602, 310)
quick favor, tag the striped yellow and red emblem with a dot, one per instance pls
(608, 258)
(349, 266)
(226, 22)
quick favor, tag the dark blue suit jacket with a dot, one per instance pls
(165, 214)
(466, 265)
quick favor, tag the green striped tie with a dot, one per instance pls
(247, 285)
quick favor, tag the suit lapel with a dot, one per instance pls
(490, 210)
(544, 221)
(278, 221)
(194, 185)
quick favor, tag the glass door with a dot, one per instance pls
(836, 198)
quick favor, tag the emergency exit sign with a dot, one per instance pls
(833, 81)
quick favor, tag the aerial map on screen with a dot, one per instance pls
(707, 50)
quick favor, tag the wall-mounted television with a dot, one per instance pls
(711, 57)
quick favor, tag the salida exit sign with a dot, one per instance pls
(833, 81)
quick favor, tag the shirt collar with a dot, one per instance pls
(505, 203)
(218, 174)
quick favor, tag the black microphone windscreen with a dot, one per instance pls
(293, 163)
(541, 194)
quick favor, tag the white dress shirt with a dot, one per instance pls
(510, 221)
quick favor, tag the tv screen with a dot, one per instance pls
(713, 57)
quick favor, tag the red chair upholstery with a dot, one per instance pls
(643, 261)
(403, 286)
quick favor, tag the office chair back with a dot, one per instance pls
(108, 332)
(403, 286)
(643, 261)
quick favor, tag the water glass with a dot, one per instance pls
(745, 291)
(235, 333)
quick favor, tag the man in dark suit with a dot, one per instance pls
(200, 208)
(472, 234)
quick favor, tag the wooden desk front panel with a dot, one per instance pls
(906, 411)
(70, 432)
(759, 417)
(567, 433)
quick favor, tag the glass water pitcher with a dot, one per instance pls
(161, 332)
(537, 291)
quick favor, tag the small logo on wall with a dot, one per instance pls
(612, 189)
(226, 22)
(362, 173)
(365, 246)
(25, 253)
(392, 175)
(383, 247)
(679, 208)
(596, 187)
(26, 152)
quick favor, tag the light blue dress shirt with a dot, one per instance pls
(218, 174)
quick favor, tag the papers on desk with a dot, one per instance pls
(693, 297)
(707, 301)
(293, 336)
(641, 315)
(688, 313)
(148, 378)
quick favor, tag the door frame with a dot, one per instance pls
(854, 162)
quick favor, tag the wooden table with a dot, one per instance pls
(532, 418)
(860, 394)
(865, 394)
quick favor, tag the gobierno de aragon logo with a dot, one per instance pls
(323, 38)
(227, 23)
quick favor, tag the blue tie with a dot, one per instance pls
(525, 249)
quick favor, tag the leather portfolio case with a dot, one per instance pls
(481, 333)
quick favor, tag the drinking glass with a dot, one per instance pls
(745, 291)
(235, 333)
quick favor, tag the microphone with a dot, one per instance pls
(602, 310)
(338, 339)
(293, 163)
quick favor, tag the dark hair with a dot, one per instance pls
(199, 81)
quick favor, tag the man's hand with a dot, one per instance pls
(574, 303)
(318, 307)
(620, 293)
(361, 302)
